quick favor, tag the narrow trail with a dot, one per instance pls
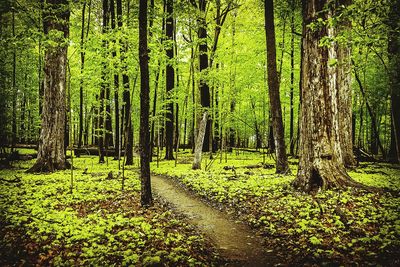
(235, 241)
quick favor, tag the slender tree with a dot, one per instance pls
(116, 85)
(51, 152)
(146, 196)
(81, 81)
(203, 65)
(394, 56)
(170, 79)
(282, 165)
(104, 84)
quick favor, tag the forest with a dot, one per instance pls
(199, 133)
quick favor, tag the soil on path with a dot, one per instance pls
(236, 242)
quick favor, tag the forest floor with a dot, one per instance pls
(42, 222)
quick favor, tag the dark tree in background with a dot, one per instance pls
(51, 152)
(282, 165)
(146, 197)
(170, 78)
(394, 61)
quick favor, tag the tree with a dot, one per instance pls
(104, 86)
(170, 78)
(282, 165)
(203, 65)
(343, 73)
(320, 162)
(81, 81)
(146, 197)
(51, 153)
(394, 57)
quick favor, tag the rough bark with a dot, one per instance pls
(170, 81)
(345, 105)
(146, 196)
(320, 163)
(282, 165)
(344, 74)
(51, 152)
(199, 143)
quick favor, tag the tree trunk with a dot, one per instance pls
(170, 80)
(199, 143)
(101, 129)
(51, 153)
(394, 59)
(343, 69)
(203, 65)
(320, 163)
(282, 165)
(116, 86)
(291, 124)
(81, 80)
(146, 196)
(15, 90)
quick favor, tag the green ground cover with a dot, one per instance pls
(336, 226)
(43, 223)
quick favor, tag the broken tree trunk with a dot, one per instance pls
(199, 143)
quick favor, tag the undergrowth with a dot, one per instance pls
(42, 223)
(333, 227)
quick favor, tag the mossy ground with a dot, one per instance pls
(43, 223)
(343, 227)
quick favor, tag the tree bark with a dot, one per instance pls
(116, 86)
(291, 124)
(146, 196)
(203, 65)
(199, 143)
(170, 81)
(15, 90)
(81, 80)
(343, 74)
(320, 163)
(51, 153)
(394, 60)
(282, 165)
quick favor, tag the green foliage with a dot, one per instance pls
(97, 224)
(350, 226)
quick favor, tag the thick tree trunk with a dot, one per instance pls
(170, 81)
(320, 163)
(199, 143)
(394, 57)
(282, 165)
(146, 196)
(51, 153)
(343, 72)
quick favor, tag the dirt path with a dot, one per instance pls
(235, 241)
